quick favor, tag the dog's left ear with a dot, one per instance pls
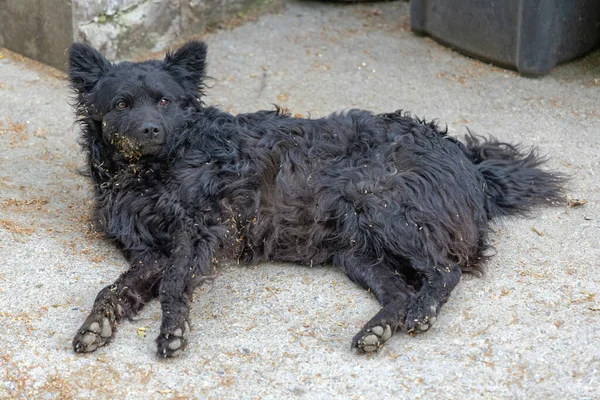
(188, 65)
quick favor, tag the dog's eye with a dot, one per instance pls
(163, 102)
(121, 105)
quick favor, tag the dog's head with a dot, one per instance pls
(137, 107)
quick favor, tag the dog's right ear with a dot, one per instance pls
(86, 67)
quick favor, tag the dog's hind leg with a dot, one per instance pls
(437, 283)
(390, 289)
(124, 298)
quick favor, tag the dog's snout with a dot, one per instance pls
(151, 129)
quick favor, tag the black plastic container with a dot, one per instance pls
(531, 36)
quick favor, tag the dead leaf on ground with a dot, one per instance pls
(576, 202)
(141, 331)
(539, 233)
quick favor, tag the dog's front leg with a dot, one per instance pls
(188, 263)
(125, 297)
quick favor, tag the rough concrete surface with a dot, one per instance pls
(528, 329)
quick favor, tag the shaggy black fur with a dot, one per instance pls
(402, 208)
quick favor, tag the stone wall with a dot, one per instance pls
(43, 29)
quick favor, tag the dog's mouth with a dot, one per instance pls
(132, 150)
(129, 148)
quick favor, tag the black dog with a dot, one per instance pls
(394, 202)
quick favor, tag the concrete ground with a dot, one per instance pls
(528, 329)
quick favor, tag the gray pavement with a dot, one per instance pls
(529, 328)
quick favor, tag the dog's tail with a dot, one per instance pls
(514, 182)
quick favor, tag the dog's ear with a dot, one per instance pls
(188, 65)
(86, 67)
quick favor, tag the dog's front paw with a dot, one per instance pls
(97, 330)
(421, 314)
(171, 342)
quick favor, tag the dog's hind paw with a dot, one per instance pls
(421, 315)
(379, 329)
(97, 331)
(172, 342)
(371, 339)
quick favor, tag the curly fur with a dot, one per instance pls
(402, 208)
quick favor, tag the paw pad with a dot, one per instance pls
(92, 335)
(172, 344)
(373, 338)
(420, 320)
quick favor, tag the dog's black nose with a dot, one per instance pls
(151, 129)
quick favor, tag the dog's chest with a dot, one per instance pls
(135, 207)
